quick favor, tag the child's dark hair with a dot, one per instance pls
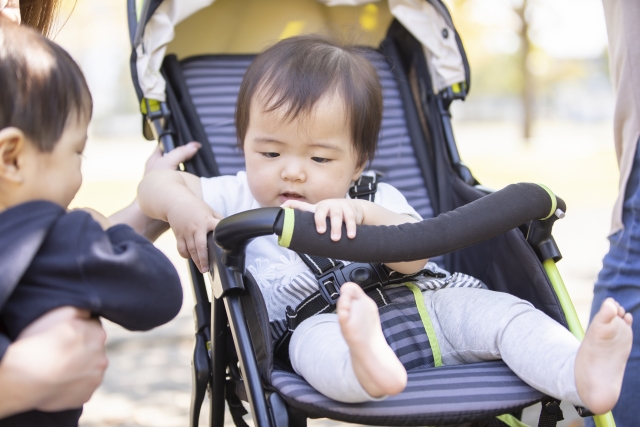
(42, 87)
(295, 73)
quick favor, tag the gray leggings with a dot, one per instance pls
(471, 325)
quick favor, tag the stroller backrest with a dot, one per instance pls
(213, 82)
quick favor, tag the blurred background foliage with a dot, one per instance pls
(534, 59)
(530, 60)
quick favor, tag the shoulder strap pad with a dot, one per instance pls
(365, 188)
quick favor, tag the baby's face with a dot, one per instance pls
(310, 158)
(56, 176)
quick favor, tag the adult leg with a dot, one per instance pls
(620, 279)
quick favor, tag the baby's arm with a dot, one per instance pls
(355, 212)
(132, 215)
(176, 197)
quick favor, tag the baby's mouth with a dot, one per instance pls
(291, 196)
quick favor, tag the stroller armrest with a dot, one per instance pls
(234, 233)
(480, 220)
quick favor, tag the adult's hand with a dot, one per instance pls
(132, 215)
(56, 363)
(171, 160)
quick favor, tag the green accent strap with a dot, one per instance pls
(426, 322)
(554, 201)
(604, 420)
(563, 297)
(287, 229)
(511, 421)
(153, 104)
(139, 4)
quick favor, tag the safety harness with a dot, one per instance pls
(331, 274)
(416, 344)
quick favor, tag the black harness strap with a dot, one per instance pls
(550, 413)
(331, 274)
(365, 188)
(318, 265)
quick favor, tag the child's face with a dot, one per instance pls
(56, 176)
(310, 158)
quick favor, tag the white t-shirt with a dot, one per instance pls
(273, 266)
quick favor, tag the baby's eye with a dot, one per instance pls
(320, 159)
(271, 155)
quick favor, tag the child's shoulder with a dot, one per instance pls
(228, 194)
(388, 192)
(27, 225)
(239, 178)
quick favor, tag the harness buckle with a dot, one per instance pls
(365, 275)
(329, 284)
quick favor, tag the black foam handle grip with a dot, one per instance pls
(480, 220)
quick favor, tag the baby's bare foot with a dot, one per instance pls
(602, 357)
(375, 364)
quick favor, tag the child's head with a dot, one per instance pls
(308, 116)
(45, 110)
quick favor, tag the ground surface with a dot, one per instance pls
(149, 381)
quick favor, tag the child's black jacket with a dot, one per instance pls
(50, 258)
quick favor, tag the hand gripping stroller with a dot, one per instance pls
(422, 68)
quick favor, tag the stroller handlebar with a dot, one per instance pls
(480, 220)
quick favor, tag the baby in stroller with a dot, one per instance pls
(307, 119)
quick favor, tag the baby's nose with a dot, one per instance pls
(293, 171)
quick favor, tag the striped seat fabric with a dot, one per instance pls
(433, 396)
(214, 83)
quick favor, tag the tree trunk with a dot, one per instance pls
(526, 93)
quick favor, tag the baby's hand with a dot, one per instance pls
(191, 220)
(338, 210)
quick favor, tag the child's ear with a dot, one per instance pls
(12, 145)
(358, 172)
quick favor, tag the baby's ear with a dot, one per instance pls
(358, 172)
(12, 145)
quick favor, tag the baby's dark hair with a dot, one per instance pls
(295, 73)
(42, 87)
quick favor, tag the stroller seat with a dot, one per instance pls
(433, 396)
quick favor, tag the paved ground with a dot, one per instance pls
(148, 382)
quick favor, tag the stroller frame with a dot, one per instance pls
(231, 312)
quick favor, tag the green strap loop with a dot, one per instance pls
(426, 322)
(154, 105)
(554, 201)
(287, 229)
(511, 421)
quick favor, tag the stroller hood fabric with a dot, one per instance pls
(427, 20)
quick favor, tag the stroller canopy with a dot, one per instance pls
(248, 26)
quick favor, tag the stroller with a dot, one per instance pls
(423, 69)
